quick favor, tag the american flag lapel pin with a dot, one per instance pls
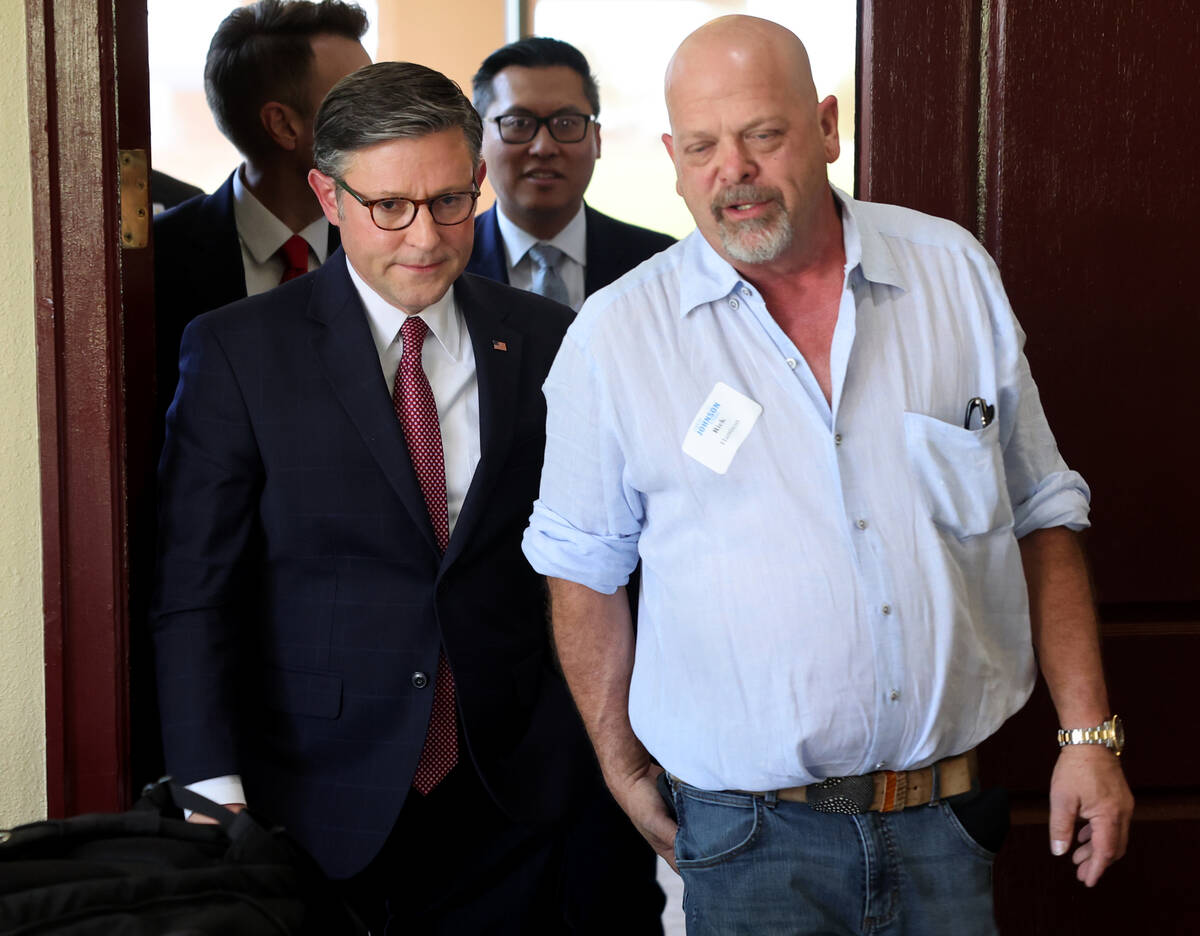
(499, 345)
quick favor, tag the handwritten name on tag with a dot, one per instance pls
(720, 427)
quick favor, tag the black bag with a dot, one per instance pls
(142, 873)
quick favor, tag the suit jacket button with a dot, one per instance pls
(419, 680)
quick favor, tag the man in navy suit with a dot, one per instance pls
(348, 638)
(269, 65)
(539, 103)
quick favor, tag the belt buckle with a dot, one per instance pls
(848, 796)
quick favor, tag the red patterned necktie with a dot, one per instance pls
(418, 417)
(295, 257)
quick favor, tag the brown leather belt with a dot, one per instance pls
(885, 790)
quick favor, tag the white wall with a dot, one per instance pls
(22, 688)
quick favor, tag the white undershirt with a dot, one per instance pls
(571, 240)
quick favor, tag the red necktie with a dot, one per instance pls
(418, 417)
(295, 257)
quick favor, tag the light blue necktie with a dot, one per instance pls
(546, 281)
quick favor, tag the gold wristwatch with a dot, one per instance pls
(1110, 733)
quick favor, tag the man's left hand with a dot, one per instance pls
(1088, 784)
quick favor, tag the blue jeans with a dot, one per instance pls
(762, 867)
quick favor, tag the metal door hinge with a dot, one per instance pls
(135, 198)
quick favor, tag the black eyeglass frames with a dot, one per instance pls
(565, 128)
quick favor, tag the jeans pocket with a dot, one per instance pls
(980, 822)
(713, 827)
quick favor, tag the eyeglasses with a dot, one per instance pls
(565, 128)
(395, 214)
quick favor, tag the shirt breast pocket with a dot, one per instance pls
(960, 473)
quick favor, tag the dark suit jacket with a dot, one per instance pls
(169, 191)
(613, 248)
(197, 268)
(300, 589)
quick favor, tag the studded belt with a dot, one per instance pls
(885, 790)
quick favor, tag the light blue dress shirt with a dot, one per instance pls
(571, 240)
(849, 595)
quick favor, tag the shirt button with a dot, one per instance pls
(861, 524)
(419, 680)
(837, 439)
(882, 765)
(895, 696)
(745, 291)
(733, 304)
(886, 609)
(791, 362)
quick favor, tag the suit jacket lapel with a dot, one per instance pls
(217, 271)
(497, 348)
(351, 362)
(487, 257)
(596, 272)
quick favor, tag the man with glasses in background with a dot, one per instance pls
(539, 102)
(541, 141)
(349, 640)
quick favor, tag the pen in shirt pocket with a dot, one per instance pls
(985, 410)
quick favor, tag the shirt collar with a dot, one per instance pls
(571, 240)
(711, 277)
(385, 319)
(866, 247)
(263, 233)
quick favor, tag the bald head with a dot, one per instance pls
(738, 51)
(750, 143)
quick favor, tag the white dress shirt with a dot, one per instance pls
(261, 234)
(571, 240)
(848, 596)
(449, 362)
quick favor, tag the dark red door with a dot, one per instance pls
(1063, 135)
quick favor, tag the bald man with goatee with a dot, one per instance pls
(813, 421)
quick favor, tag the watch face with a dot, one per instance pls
(1118, 728)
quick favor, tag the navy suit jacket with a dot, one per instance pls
(613, 248)
(300, 590)
(197, 267)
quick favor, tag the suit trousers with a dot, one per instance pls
(609, 872)
(455, 864)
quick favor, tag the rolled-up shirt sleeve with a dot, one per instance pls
(586, 521)
(1043, 491)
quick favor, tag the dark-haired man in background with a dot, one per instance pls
(269, 66)
(539, 104)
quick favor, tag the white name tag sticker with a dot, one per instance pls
(720, 427)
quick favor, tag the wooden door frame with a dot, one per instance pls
(73, 47)
(943, 113)
(941, 93)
